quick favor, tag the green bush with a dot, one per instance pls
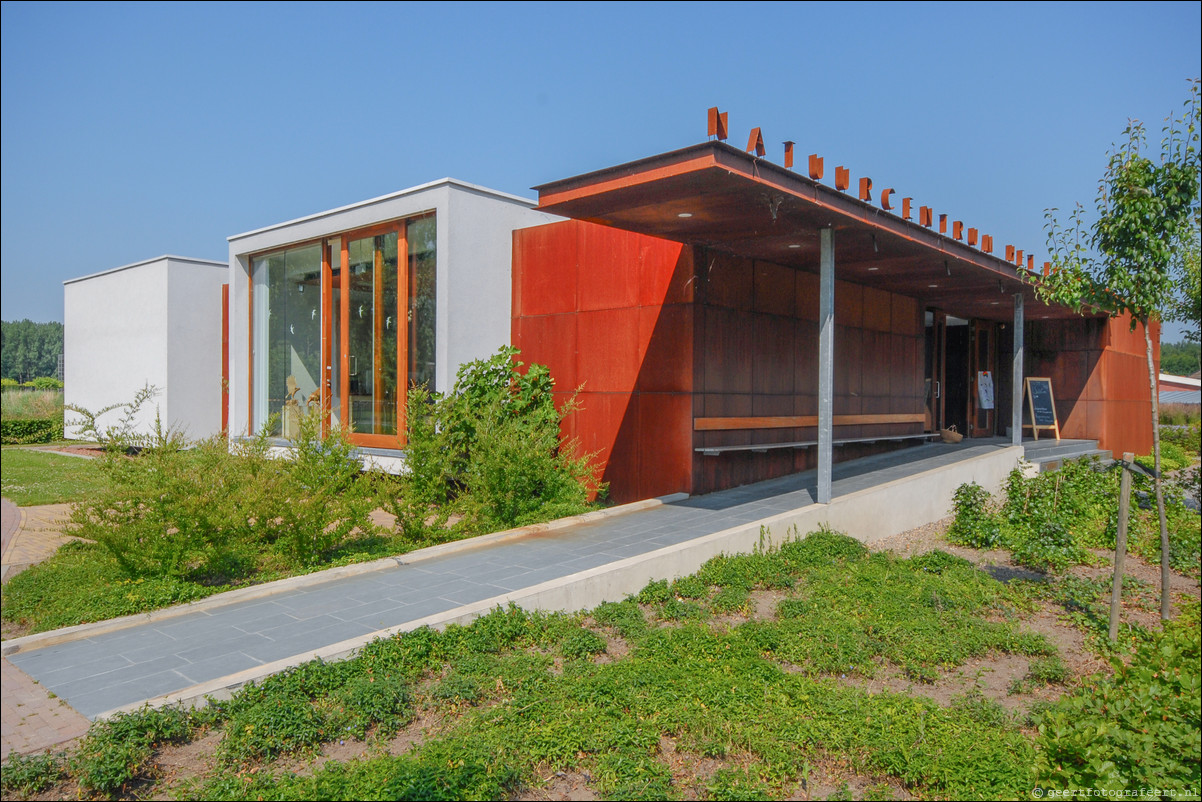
(23, 431)
(119, 436)
(209, 515)
(973, 525)
(44, 383)
(490, 450)
(82, 583)
(325, 499)
(1139, 728)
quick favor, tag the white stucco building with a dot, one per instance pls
(156, 322)
(346, 309)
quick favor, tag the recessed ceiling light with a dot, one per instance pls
(685, 214)
(794, 246)
(932, 285)
(994, 303)
(872, 269)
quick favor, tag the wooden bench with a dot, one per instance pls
(796, 421)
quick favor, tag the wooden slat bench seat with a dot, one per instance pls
(797, 421)
(713, 451)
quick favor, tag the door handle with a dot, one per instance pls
(938, 389)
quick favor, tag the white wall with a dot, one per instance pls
(194, 346)
(475, 253)
(142, 324)
(475, 284)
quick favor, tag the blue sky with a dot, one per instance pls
(134, 130)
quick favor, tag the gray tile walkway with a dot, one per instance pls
(103, 672)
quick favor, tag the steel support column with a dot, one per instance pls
(1016, 392)
(826, 363)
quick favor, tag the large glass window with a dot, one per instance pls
(372, 333)
(287, 318)
(421, 233)
(330, 334)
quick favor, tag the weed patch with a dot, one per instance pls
(1139, 728)
(1050, 521)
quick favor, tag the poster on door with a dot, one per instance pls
(985, 389)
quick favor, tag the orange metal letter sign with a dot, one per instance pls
(756, 142)
(815, 167)
(716, 123)
(842, 178)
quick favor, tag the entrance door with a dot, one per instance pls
(936, 343)
(981, 402)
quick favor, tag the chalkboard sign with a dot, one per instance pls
(1042, 406)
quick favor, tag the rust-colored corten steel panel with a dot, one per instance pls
(609, 312)
(1099, 376)
(548, 286)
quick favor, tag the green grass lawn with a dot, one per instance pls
(28, 478)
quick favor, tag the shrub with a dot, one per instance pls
(119, 436)
(973, 525)
(382, 701)
(23, 431)
(582, 643)
(44, 383)
(491, 449)
(1139, 728)
(1173, 457)
(325, 499)
(182, 513)
(210, 515)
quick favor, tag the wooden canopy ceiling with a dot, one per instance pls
(718, 196)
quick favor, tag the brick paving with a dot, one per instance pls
(40, 536)
(32, 719)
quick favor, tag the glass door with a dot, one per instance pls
(331, 349)
(984, 360)
(936, 337)
(371, 336)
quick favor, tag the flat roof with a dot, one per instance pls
(455, 182)
(716, 195)
(163, 258)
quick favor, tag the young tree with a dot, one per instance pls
(1122, 263)
(1187, 307)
